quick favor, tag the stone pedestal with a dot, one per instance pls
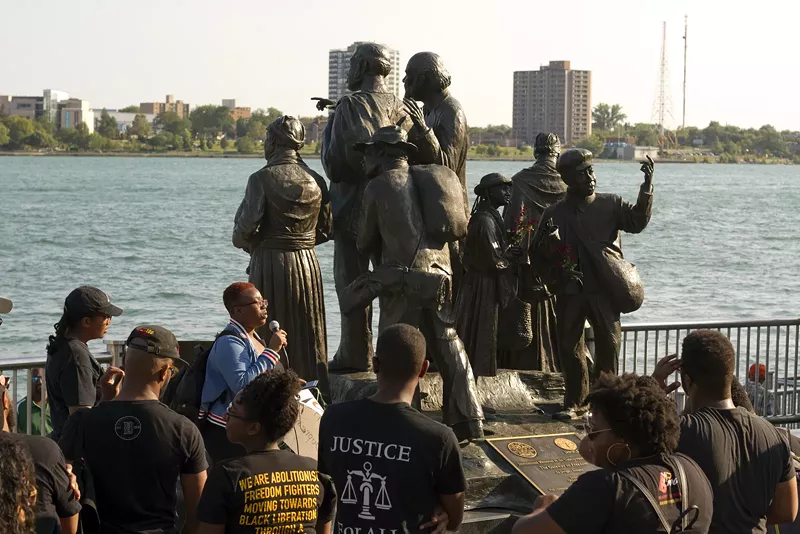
(517, 403)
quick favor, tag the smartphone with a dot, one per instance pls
(311, 384)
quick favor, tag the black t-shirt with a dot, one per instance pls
(744, 458)
(54, 497)
(389, 463)
(136, 452)
(276, 491)
(71, 375)
(617, 506)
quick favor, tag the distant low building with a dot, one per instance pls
(123, 118)
(29, 107)
(241, 113)
(75, 111)
(314, 128)
(157, 108)
(640, 152)
(628, 151)
(236, 111)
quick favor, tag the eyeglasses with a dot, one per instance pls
(262, 303)
(588, 425)
(173, 370)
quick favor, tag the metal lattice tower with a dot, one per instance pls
(685, 49)
(662, 107)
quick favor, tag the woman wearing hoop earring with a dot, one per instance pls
(641, 485)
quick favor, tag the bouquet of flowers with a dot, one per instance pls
(521, 228)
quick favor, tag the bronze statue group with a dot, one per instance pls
(488, 291)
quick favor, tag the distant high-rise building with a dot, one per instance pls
(553, 99)
(339, 64)
(156, 108)
(229, 103)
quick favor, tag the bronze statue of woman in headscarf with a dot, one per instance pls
(286, 212)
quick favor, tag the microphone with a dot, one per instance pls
(274, 326)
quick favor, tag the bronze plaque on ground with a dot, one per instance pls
(551, 463)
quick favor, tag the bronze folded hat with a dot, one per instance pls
(390, 135)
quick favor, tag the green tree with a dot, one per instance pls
(108, 126)
(169, 121)
(98, 142)
(131, 109)
(607, 117)
(245, 144)
(41, 139)
(140, 127)
(223, 143)
(209, 119)
(645, 134)
(187, 140)
(256, 130)
(44, 124)
(241, 126)
(68, 137)
(4, 137)
(162, 140)
(594, 144)
(19, 128)
(82, 129)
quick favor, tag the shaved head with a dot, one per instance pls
(400, 352)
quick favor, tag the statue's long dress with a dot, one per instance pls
(482, 290)
(535, 188)
(285, 212)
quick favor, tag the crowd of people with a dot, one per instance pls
(119, 460)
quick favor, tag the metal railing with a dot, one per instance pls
(21, 373)
(774, 343)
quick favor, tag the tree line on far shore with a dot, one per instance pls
(212, 128)
(207, 128)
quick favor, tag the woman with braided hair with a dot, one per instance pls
(284, 214)
(72, 375)
(631, 435)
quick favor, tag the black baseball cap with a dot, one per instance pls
(87, 301)
(155, 340)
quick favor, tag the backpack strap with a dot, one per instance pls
(649, 497)
(685, 508)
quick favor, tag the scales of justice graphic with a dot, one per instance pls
(367, 488)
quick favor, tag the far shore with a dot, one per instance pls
(234, 154)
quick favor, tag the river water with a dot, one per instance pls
(155, 234)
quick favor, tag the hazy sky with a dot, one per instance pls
(743, 66)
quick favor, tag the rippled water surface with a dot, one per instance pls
(155, 234)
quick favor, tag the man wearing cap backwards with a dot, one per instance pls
(486, 284)
(534, 189)
(600, 217)
(392, 225)
(440, 129)
(136, 447)
(356, 117)
(72, 375)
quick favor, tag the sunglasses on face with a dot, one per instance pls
(36, 379)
